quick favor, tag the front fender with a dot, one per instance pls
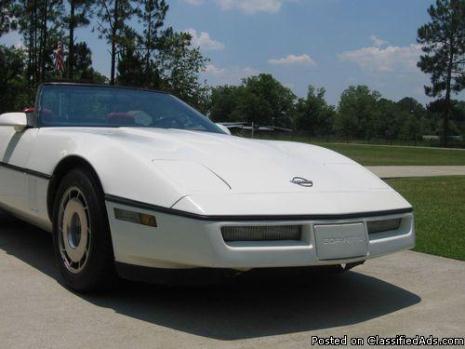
(122, 171)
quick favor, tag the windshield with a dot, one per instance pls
(100, 106)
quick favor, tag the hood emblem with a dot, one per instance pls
(302, 182)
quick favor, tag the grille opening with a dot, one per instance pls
(383, 225)
(262, 233)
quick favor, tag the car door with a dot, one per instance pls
(15, 149)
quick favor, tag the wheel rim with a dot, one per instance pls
(74, 230)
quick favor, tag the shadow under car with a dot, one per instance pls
(255, 304)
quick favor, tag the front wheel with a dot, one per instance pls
(81, 238)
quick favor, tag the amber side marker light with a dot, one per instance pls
(135, 217)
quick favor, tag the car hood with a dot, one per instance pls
(208, 162)
(216, 174)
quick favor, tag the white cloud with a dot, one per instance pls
(212, 69)
(378, 42)
(252, 6)
(19, 45)
(385, 59)
(230, 75)
(246, 6)
(293, 59)
(195, 2)
(204, 41)
(289, 85)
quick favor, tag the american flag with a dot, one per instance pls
(59, 60)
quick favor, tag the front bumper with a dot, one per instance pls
(180, 242)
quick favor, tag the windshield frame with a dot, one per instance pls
(40, 124)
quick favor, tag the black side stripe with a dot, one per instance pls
(25, 170)
(229, 218)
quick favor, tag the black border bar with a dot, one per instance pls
(229, 218)
(175, 212)
(25, 170)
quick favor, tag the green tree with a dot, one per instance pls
(160, 57)
(266, 101)
(153, 20)
(13, 94)
(180, 65)
(83, 70)
(412, 106)
(411, 129)
(39, 23)
(313, 115)
(443, 45)
(78, 16)
(50, 33)
(7, 18)
(422, 119)
(130, 63)
(224, 101)
(357, 113)
(459, 108)
(459, 115)
(113, 16)
(259, 99)
(389, 119)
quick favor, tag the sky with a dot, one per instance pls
(325, 43)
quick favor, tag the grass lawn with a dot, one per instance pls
(439, 204)
(395, 155)
(372, 155)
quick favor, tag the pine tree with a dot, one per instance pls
(179, 65)
(79, 14)
(113, 16)
(153, 19)
(443, 45)
(39, 23)
(7, 18)
(130, 62)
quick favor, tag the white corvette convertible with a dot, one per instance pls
(131, 181)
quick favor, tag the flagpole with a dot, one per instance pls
(59, 60)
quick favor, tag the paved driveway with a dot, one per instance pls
(407, 293)
(416, 171)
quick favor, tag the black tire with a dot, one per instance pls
(95, 271)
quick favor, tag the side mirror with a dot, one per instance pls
(224, 128)
(16, 120)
